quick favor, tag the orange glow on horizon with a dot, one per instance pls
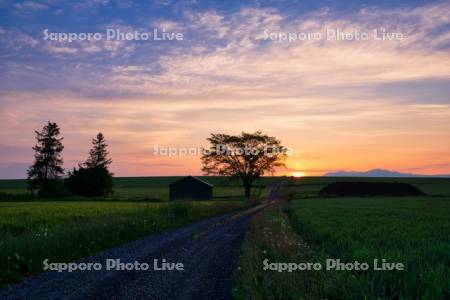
(298, 174)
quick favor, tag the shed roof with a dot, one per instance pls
(193, 177)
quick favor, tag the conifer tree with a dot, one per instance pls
(92, 178)
(98, 154)
(45, 174)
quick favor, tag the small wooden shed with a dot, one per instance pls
(190, 188)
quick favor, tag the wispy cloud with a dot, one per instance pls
(339, 104)
(243, 64)
(30, 5)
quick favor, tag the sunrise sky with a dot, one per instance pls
(341, 105)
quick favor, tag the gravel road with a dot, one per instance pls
(208, 249)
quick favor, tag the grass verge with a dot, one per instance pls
(271, 237)
(412, 230)
(65, 231)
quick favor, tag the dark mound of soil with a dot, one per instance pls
(370, 189)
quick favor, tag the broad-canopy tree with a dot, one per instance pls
(247, 156)
(44, 176)
(92, 178)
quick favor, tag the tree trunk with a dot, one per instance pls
(248, 190)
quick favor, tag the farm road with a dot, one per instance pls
(209, 250)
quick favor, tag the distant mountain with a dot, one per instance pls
(377, 173)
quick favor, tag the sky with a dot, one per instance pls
(340, 103)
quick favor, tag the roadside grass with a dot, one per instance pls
(412, 230)
(271, 237)
(65, 231)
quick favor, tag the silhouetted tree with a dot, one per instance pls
(98, 154)
(45, 174)
(90, 182)
(92, 178)
(247, 156)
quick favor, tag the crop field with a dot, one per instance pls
(67, 230)
(307, 228)
(70, 229)
(310, 186)
(156, 188)
(414, 231)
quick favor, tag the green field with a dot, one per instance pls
(412, 230)
(305, 227)
(310, 186)
(157, 188)
(64, 230)
(77, 227)
(154, 188)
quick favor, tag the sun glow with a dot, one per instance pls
(298, 174)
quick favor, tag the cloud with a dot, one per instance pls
(61, 49)
(226, 54)
(340, 104)
(168, 25)
(236, 61)
(112, 48)
(209, 22)
(13, 40)
(89, 4)
(444, 166)
(30, 5)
